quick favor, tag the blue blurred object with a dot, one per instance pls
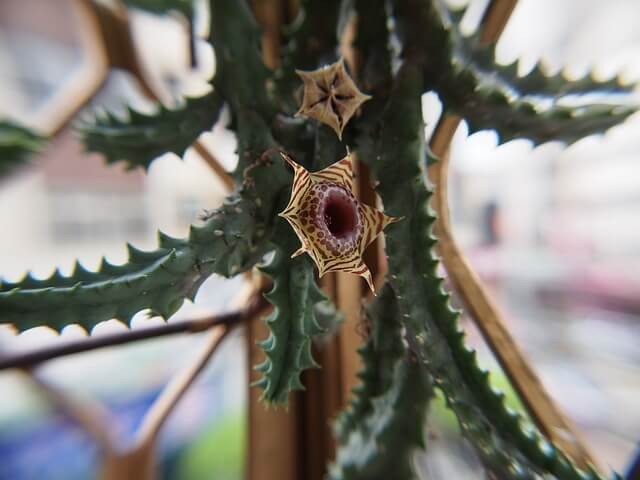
(56, 448)
(634, 469)
(204, 437)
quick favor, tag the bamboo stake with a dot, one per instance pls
(214, 164)
(115, 31)
(82, 85)
(275, 446)
(157, 415)
(139, 462)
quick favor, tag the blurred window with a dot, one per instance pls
(89, 216)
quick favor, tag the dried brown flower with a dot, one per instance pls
(330, 96)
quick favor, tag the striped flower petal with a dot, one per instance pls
(333, 226)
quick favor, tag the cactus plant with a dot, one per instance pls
(405, 48)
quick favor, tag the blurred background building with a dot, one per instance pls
(554, 231)
(67, 204)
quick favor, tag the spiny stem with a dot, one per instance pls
(34, 357)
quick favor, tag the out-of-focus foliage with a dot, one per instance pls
(17, 144)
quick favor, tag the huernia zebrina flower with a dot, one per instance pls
(332, 225)
(330, 96)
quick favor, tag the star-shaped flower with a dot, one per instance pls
(330, 96)
(332, 225)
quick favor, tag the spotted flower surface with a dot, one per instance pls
(330, 96)
(332, 225)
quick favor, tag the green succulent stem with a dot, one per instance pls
(506, 446)
(300, 313)
(137, 139)
(231, 240)
(537, 82)
(481, 98)
(383, 425)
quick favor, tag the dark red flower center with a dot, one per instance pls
(340, 214)
(335, 218)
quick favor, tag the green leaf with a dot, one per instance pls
(162, 7)
(506, 447)
(384, 423)
(17, 144)
(232, 240)
(470, 50)
(481, 98)
(140, 138)
(158, 280)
